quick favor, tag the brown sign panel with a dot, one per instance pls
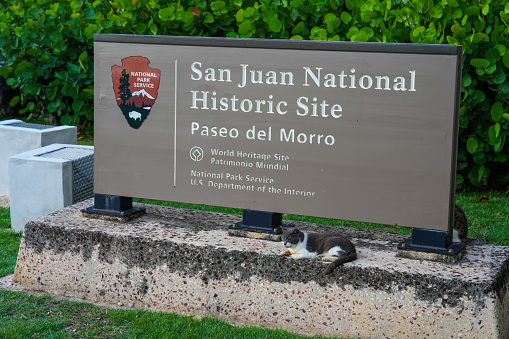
(353, 131)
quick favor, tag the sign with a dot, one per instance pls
(355, 131)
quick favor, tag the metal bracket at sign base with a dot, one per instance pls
(114, 208)
(431, 245)
(259, 225)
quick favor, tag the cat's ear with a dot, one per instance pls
(295, 231)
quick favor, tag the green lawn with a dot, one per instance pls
(25, 316)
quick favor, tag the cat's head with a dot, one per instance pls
(291, 236)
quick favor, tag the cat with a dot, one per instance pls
(460, 229)
(325, 246)
(460, 226)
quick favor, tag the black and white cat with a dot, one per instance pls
(324, 246)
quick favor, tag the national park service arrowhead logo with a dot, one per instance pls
(135, 85)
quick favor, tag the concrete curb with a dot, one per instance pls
(4, 202)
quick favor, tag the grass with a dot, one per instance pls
(26, 316)
(488, 215)
(9, 243)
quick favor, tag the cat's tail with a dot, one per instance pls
(340, 261)
(482, 241)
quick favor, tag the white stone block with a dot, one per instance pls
(43, 181)
(17, 137)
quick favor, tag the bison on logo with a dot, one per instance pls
(135, 85)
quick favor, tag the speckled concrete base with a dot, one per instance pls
(184, 261)
(4, 201)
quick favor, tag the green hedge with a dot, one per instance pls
(49, 46)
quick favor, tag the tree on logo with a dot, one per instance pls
(123, 88)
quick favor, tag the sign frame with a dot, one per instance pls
(418, 49)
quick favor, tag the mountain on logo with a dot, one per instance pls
(140, 99)
(143, 93)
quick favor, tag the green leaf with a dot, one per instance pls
(501, 48)
(332, 22)
(485, 9)
(66, 119)
(496, 111)
(77, 105)
(473, 11)
(208, 18)
(492, 134)
(499, 146)
(418, 31)
(503, 88)
(345, 17)
(459, 181)
(453, 3)
(296, 3)
(20, 67)
(83, 56)
(479, 158)
(452, 41)
(436, 12)
(240, 15)
(299, 28)
(480, 63)
(218, 7)
(90, 30)
(51, 93)
(472, 145)
(360, 37)
(478, 175)
(251, 13)
(53, 106)
(493, 54)
(273, 21)
(32, 88)
(166, 14)
(466, 80)
(33, 51)
(318, 33)
(506, 60)
(141, 28)
(246, 29)
(366, 15)
(14, 101)
(499, 78)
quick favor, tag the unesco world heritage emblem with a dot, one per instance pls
(135, 85)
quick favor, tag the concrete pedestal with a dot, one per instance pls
(184, 261)
(18, 137)
(47, 179)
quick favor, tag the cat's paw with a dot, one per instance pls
(286, 252)
(327, 258)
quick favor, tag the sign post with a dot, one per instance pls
(355, 131)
